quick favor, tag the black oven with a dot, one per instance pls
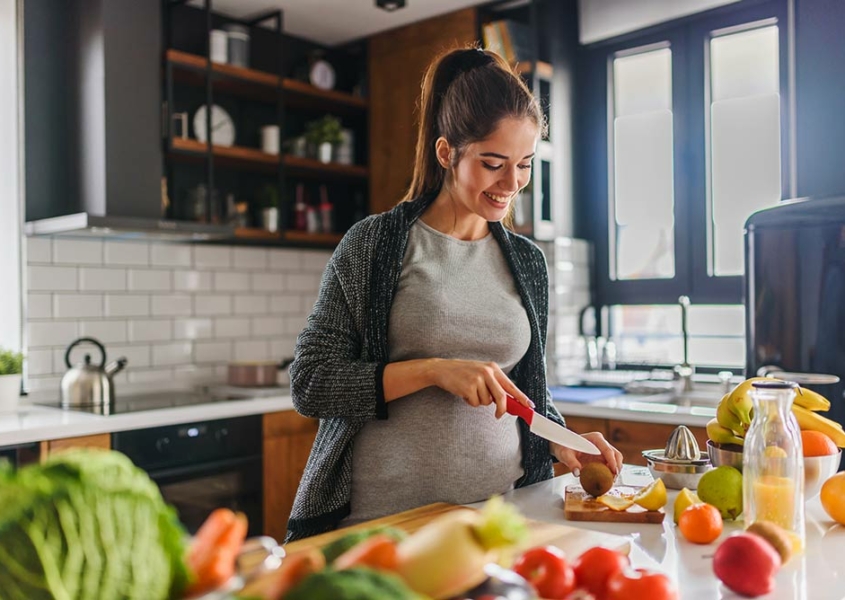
(203, 465)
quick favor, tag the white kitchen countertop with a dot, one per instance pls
(628, 408)
(817, 575)
(34, 423)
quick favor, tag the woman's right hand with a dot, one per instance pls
(477, 383)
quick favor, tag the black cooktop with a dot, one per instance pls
(154, 401)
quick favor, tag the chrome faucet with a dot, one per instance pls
(684, 371)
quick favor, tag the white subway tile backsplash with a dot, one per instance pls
(251, 305)
(192, 329)
(127, 253)
(231, 327)
(92, 279)
(268, 326)
(268, 282)
(172, 305)
(225, 281)
(177, 353)
(47, 387)
(150, 280)
(105, 331)
(170, 255)
(40, 362)
(252, 350)
(39, 250)
(39, 306)
(285, 260)
(301, 282)
(50, 278)
(51, 333)
(192, 281)
(137, 356)
(315, 262)
(210, 305)
(211, 352)
(250, 258)
(127, 305)
(77, 305)
(174, 310)
(150, 330)
(78, 252)
(285, 304)
(212, 257)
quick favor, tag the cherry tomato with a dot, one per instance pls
(595, 566)
(548, 571)
(641, 583)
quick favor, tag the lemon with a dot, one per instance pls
(618, 503)
(652, 497)
(684, 500)
(774, 452)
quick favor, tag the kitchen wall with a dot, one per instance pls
(178, 312)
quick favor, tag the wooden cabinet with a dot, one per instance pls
(397, 62)
(101, 440)
(288, 438)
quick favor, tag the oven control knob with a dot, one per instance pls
(163, 445)
(221, 434)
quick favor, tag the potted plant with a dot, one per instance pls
(11, 367)
(323, 134)
(269, 199)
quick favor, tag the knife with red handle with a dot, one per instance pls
(548, 429)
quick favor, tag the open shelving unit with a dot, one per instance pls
(253, 97)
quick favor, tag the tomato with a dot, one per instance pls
(641, 583)
(595, 566)
(548, 571)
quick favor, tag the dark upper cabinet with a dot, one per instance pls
(92, 94)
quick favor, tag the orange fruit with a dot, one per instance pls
(832, 496)
(817, 443)
(700, 523)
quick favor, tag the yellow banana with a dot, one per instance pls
(811, 400)
(739, 402)
(721, 435)
(809, 420)
(727, 419)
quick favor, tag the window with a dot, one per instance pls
(684, 137)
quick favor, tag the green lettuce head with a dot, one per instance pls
(87, 524)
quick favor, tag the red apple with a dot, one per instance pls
(747, 564)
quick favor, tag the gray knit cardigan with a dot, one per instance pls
(341, 354)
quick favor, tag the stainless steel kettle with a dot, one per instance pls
(87, 385)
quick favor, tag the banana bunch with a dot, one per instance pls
(734, 413)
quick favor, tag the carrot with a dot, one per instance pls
(378, 552)
(294, 568)
(213, 563)
(214, 526)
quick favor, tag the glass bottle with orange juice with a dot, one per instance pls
(772, 461)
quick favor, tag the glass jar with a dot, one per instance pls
(772, 461)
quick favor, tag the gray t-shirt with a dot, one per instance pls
(456, 299)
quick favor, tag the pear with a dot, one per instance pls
(722, 487)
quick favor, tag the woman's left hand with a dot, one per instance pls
(575, 460)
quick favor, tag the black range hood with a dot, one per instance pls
(92, 125)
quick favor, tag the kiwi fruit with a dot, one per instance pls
(596, 479)
(775, 535)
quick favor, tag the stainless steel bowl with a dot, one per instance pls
(677, 474)
(725, 454)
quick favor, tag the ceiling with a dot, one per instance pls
(332, 22)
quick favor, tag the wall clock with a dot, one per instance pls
(222, 126)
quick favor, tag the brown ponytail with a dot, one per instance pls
(466, 92)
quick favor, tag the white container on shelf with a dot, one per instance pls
(270, 139)
(219, 43)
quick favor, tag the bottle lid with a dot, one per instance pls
(774, 384)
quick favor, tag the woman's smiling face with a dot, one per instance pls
(491, 172)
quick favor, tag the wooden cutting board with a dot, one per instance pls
(578, 505)
(572, 540)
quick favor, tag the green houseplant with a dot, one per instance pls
(323, 134)
(11, 367)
